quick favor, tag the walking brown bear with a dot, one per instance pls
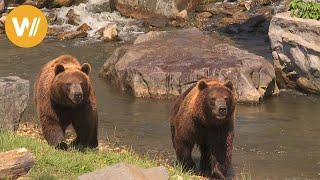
(204, 115)
(64, 95)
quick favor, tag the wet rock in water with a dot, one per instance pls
(2, 21)
(109, 33)
(2, 6)
(204, 15)
(72, 35)
(309, 85)
(183, 14)
(36, 3)
(163, 65)
(51, 17)
(73, 18)
(296, 51)
(3, 18)
(55, 31)
(84, 27)
(127, 171)
(61, 3)
(236, 17)
(149, 18)
(14, 95)
(167, 8)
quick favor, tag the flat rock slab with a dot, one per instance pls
(165, 64)
(295, 44)
(14, 95)
(122, 171)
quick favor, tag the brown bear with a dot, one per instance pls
(204, 115)
(64, 95)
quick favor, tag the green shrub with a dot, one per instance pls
(306, 10)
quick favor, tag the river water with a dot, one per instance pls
(278, 139)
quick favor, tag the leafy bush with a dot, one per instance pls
(306, 10)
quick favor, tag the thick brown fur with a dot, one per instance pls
(194, 123)
(57, 112)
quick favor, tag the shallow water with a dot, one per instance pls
(278, 139)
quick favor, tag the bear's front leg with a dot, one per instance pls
(85, 123)
(216, 171)
(184, 153)
(205, 158)
(229, 149)
(223, 155)
(53, 132)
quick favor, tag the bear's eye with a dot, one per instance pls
(213, 99)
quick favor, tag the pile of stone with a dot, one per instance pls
(295, 44)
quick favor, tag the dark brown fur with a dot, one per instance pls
(56, 112)
(192, 122)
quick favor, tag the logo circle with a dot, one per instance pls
(26, 26)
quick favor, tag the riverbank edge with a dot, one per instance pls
(57, 164)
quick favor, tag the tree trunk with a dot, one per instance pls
(15, 163)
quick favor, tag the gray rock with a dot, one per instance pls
(2, 6)
(73, 18)
(122, 171)
(163, 65)
(295, 44)
(14, 95)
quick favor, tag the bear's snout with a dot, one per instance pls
(76, 94)
(223, 110)
(78, 97)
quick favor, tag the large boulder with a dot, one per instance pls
(165, 64)
(126, 171)
(295, 44)
(153, 11)
(14, 95)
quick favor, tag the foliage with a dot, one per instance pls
(306, 10)
(56, 164)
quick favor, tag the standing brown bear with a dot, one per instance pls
(204, 115)
(64, 95)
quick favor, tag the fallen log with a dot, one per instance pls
(15, 163)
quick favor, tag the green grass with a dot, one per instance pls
(306, 10)
(56, 164)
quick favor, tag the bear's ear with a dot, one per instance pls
(86, 68)
(202, 85)
(58, 69)
(229, 85)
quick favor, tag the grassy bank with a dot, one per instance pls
(57, 164)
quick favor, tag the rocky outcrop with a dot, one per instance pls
(168, 8)
(14, 95)
(239, 16)
(295, 47)
(165, 64)
(127, 171)
(154, 12)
